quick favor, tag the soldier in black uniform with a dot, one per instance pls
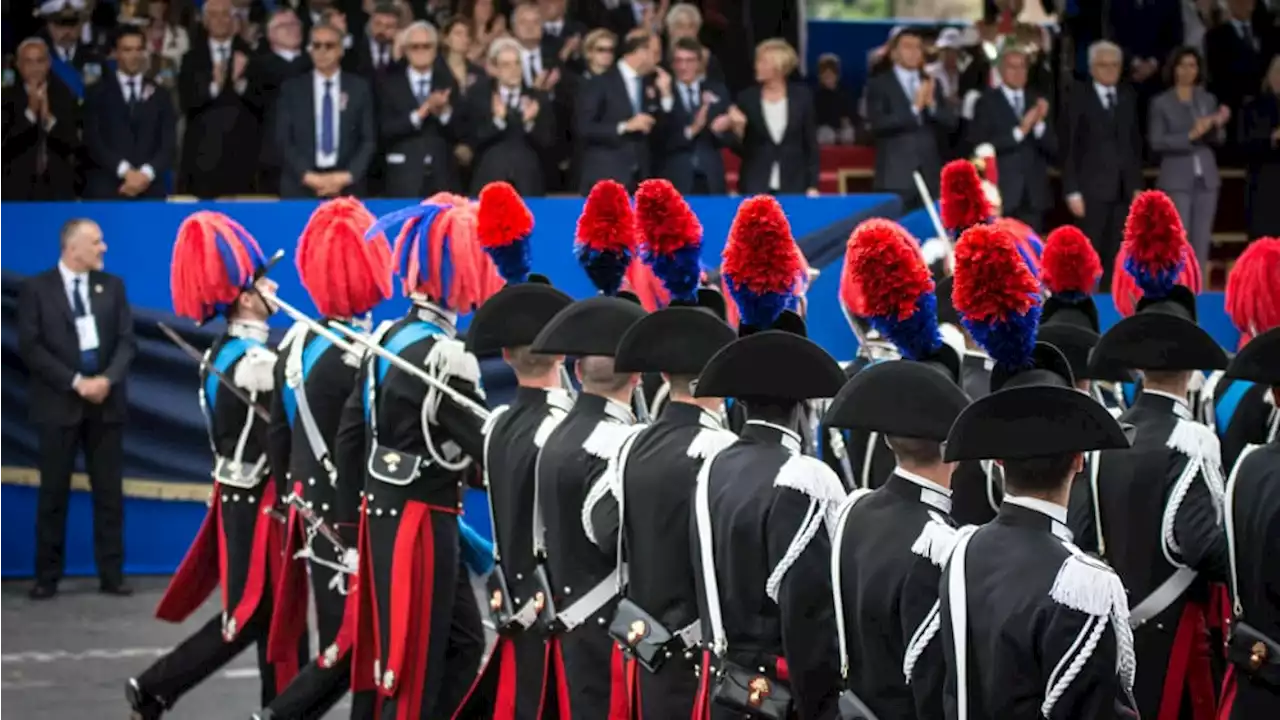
(1153, 511)
(648, 484)
(315, 378)
(515, 682)
(1252, 506)
(413, 624)
(242, 513)
(890, 544)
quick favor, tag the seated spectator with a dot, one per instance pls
(561, 36)
(691, 135)
(268, 71)
(372, 53)
(325, 125)
(167, 41)
(908, 118)
(1236, 55)
(416, 112)
(684, 20)
(129, 126)
(456, 54)
(512, 124)
(72, 61)
(833, 106)
(600, 49)
(1260, 131)
(487, 24)
(774, 123)
(1184, 122)
(41, 130)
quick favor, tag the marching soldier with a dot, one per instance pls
(1153, 511)
(584, 579)
(1252, 507)
(890, 544)
(646, 487)
(411, 619)
(1031, 627)
(315, 378)
(763, 509)
(218, 269)
(514, 683)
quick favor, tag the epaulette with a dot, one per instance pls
(936, 541)
(1200, 444)
(812, 477)
(1087, 585)
(710, 441)
(607, 437)
(256, 370)
(448, 358)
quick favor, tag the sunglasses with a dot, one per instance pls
(420, 46)
(603, 49)
(324, 46)
(66, 22)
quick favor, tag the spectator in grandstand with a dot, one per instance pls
(75, 336)
(1261, 134)
(684, 20)
(775, 126)
(631, 15)
(129, 126)
(908, 116)
(1198, 17)
(511, 124)
(268, 71)
(561, 36)
(946, 70)
(73, 62)
(1147, 32)
(1236, 55)
(436, 12)
(600, 49)
(212, 87)
(1102, 157)
(1184, 124)
(41, 130)
(689, 138)
(167, 41)
(418, 124)
(372, 54)
(456, 54)
(486, 25)
(540, 68)
(325, 125)
(616, 112)
(326, 12)
(833, 106)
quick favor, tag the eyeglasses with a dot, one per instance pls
(603, 49)
(324, 46)
(420, 46)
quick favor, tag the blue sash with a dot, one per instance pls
(477, 551)
(231, 351)
(399, 340)
(67, 73)
(315, 348)
(1225, 409)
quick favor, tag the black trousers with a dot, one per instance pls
(1103, 223)
(104, 455)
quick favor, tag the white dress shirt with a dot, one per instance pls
(379, 53)
(1107, 94)
(775, 122)
(532, 62)
(324, 161)
(1057, 513)
(511, 98)
(129, 84)
(69, 287)
(222, 52)
(553, 27)
(1017, 100)
(415, 78)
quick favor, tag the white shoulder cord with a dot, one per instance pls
(1095, 464)
(837, 592)
(1229, 501)
(959, 603)
(711, 585)
(489, 427)
(872, 438)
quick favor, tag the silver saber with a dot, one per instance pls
(316, 522)
(923, 189)
(476, 408)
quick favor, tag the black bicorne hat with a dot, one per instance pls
(588, 327)
(1080, 313)
(1074, 341)
(676, 340)
(901, 398)
(1049, 367)
(1259, 360)
(789, 321)
(772, 364)
(1030, 421)
(1161, 335)
(514, 316)
(713, 300)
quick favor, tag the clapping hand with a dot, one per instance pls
(570, 47)
(499, 108)
(640, 122)
(699, 120)
(239, 61)
(528, 109)
(662, 79)
(721, 123)
(1223, 116)
(737, 120)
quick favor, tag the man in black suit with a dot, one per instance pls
(75, 335)
(129, 127)
(510, 124)
(908, 117)
(633, 14)
(1236, 55)
(1014, 120)
(543, 70)
(615, 113)
(1102, 162)
(692, 134)
(267, 72)
(74, 62)
(325, 125)
(370, 54)
(416, 111)
(561, 36)
(213, 87)
(41, 131)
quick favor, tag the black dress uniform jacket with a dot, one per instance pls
(656, 472)
(1037, 628)
(760, 495)
(893, 544)
(1152, 517)
(1240, 411)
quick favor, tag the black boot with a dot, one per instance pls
(145, 705)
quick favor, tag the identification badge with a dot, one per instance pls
(87, 333)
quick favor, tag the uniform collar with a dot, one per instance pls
(429, 312)
(918, 487)
(601, 405)
(555, 397)
(1035, 512)
(249, 329)
(768, 432)
(683, 413)
(1167, 402)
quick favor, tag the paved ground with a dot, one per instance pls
(69, 657)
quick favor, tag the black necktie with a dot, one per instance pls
(88, 358)
(134, 95)
(689, 98)
(1111, 100)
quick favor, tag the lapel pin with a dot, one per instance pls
(97, 289)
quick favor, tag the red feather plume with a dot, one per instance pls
(1069, 264)
(344, 274)
(962, 202)
(761, 255)
(1253, 289)
(666, 222)
(884, 274)
(503, 215)
(992, 282)
(199, 278)
(607, 223)
(1153, 231)
(1125, 291)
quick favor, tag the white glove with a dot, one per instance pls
(351, 560)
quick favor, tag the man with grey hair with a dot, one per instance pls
(282, 60)
(1102, 160)
(41, 130)
(511, 125)
(416, 113)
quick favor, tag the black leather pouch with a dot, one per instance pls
(1255, 654)
(393, 466)
(752, 693)
(640, 635)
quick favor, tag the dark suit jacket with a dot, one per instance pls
(1024, 165)
(622, 20)
(796, 155)
(50, 349)
(359, 59)
(1235, 67)
(677, 153)
(216, 125)
(602, 103)
(553, 44)
(23, 140)
(1259, 119)
(1103, 155)
(1146, 29)
(267, 73)
(509, 153)
(111, 135)
(905, 142)
(296, 132)
(419, 161)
